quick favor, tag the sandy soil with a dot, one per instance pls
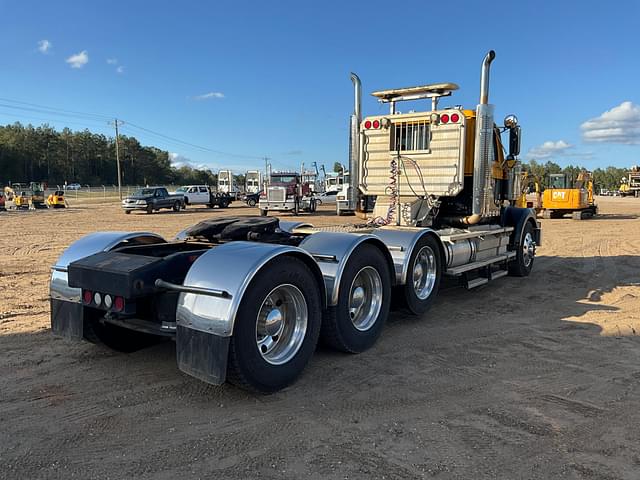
(523, 378)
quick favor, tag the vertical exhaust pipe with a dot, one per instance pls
(354, 144)
(482, 205)
(484, 77)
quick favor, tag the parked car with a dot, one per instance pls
(72, 186)
(252, 199)
(203, 195)
(152, 198)
(327, 197)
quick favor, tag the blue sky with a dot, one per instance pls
(272, 78)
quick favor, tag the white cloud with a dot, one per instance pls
(177, 160)
(209, 96)
(621, 124)
(549, 149)
(112, 61)
(78, 60)
(120, 69)
(44, 46)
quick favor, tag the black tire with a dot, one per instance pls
(127, 212)
(224, 204)
(149, 209)
(247, 366)
(176, 207)
(251, 202)
(115, 337)
(338, 329)
(522, 264)
(429, 250)
(263, 213)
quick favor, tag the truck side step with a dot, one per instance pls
(503, 257)
(476, 282)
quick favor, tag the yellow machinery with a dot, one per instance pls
(530, 193)
(24, 195)
(561, 198)
(630, 185)
(56, 199)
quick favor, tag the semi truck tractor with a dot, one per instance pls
(253, 181)
(246, 299)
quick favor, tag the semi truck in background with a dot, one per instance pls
(247, 299)
(227, 184)
(253, 181)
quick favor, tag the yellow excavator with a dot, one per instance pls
(530, 192)
(561, 198)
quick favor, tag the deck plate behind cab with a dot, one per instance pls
(433, 88)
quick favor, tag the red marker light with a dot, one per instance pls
(455, 117)
(376, 124)
(118, 304)
(367, 124)
(444, 118)
(87, 296)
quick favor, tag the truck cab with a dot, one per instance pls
(287, 193)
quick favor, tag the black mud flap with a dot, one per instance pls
(202, 355)
(66, 319)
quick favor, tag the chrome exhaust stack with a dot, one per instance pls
(483, 204)
(354, 148)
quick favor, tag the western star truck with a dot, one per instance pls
(246, 299)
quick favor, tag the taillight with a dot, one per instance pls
(444, 118)
(455, 117)
(87, 296)
(367, 124)
(118, 304)
(376, 124)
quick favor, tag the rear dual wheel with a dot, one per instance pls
(277, 327)
(423, 277)
(356, 322)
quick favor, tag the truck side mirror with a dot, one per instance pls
(514, 142)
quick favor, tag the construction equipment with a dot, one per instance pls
(247, 298)
(630, 185)
(530, 192)
(562, 197)
(56, 199)
(26, 195)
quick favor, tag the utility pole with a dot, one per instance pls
(116, 123)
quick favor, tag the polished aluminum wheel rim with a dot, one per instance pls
(424, 273)
(365, 298)
(528, 249)
(281, 324)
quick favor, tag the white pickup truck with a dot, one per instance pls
(202, 195)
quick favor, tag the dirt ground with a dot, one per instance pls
(524, 378)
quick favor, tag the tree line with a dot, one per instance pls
(43, 154)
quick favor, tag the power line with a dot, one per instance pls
(100, 118)
(98, 115)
